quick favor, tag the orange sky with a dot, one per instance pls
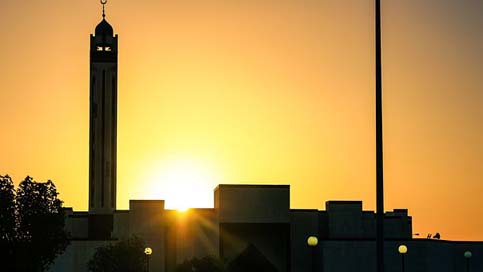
(271, 91)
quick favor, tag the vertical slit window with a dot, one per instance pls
(92, 162)
(113, 142)
(103, 136)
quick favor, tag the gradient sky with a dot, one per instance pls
(256, 91)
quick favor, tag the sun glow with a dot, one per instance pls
(183, 183)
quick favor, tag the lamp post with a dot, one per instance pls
(148, 251)
(312, 242)
(468, 256)
(379, 144)
(403, 249)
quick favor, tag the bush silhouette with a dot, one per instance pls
(123, 256)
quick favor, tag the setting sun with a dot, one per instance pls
(182, 182)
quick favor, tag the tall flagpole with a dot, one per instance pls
(379, 149)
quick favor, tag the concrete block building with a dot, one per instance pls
(259, 218)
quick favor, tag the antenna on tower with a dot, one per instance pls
(103, 3)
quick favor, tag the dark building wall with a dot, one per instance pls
(423, 255)
(271, 239)
(303, 223)
(279, 234)
(344, 219)
(100, 226)
(347, 220)
(252, 203)
(147, 220)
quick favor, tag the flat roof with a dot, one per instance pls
(344, 202)
(146, 200)
(281, 186)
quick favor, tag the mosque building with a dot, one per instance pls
(247, 220)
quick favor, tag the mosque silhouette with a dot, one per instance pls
(253, 222)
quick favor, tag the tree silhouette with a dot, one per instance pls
(7, 209)
(123, 256)
(205, 264)
(33, 221)
(7, 220)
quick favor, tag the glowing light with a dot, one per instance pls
(312, 241)
(403, 249)
(183, 183)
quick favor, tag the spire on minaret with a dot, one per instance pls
(104, 28)
(103, 3)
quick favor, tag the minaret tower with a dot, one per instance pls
(103, 119)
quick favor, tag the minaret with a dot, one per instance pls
(103, 119)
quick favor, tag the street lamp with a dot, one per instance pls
(148, 251)
(403, 249)
(312, 242)
(468, 256)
